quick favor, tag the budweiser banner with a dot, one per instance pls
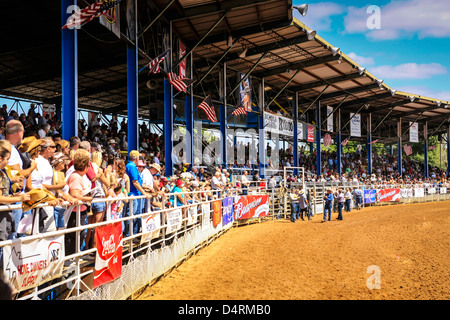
(108, 260)
(27, 265)
(227, 208)
(251, 206)
(388, 195)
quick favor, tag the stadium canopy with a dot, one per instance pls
(260, 39)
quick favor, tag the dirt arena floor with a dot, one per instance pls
(311, 260)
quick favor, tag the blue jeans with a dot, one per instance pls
(138, 205)
(340, 206)
(294, 211)
(348, 205)
(327, 207)
(59, 217)
(18, 215)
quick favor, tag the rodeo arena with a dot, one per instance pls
(211, 150)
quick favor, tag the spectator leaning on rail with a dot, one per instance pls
(135, 190)
(14, 134)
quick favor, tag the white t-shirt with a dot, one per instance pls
(147, 178)
(15, 158)
(43, 174)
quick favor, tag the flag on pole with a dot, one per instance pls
(154, 65)
(373, 142)
(344, 143)
(327, 140)
(238, 111)
(207, 106)
(82, 16)
(407, 149)
(179, 83)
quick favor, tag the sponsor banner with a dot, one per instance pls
(227, 210)
(370, 195)
(300, 130)
(108, 259)
(181, 53)
(413, 132)
(270, 122)
(192, 215)
(151, 226)
(419, 192)
(27, 265)
(329, 119)
(355, 125)
(173, 220)
(217, 212)
(432, 190)
(407, 193)
(388, 195)
(206, 212)
(285, 126)
(443, 190)
(310, 133)
(251, 206)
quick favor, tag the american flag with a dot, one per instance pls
(154, 65)
(327, 140)
(207, 106)
(374, 141)
(408, 149)
(344, 143)
(238, 111)
(83, 16)
(179, 83)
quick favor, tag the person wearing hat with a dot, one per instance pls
(111, 149)
(328, 199)
(135, 190)
(340, 198)
(303, 204)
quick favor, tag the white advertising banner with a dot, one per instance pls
(285, 126)
(27, 265)
(414, 132)
(419, 192)
(192, 215)
(329, 119)
(270, 123)
(300, 130)
(151, 226)
(355, 125)
(173, 220)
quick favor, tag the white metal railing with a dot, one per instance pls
(75, 270)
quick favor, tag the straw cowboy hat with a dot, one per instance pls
(36, 143)
(156, 166)
(37, 196)
(26, 143)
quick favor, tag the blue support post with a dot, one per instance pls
(399, 147)
(318, 137)
(338, 145)
(425, 144)
(168, 126)
(448, 152)
(189, 131)
(69, 46)
(261, 146)
(223, 135)
(369, 145)
(132, 101)
(295, 137)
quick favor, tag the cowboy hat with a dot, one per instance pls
(37, 196)
(36, 143)
(156, 166)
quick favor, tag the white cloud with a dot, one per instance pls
(409, 71)
(362, 61)
(319, 15)
(405, 18)
(427, 92)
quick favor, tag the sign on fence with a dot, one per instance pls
(173, 220)
(370, 196)
(251, 206)
(217, 212)
(108, 260)
(205, 216)
(27, 265)
(227, 208)
(151, 226)
(419, 192)
(388, 195)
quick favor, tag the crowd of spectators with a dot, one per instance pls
(35, 162)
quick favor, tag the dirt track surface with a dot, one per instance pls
(309, 260)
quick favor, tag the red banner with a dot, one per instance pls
(388, 195)
(217, 212)
(181, 53)
(252, 206)
(108, 261)
(310, 134)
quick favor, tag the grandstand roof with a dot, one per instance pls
(278, 50)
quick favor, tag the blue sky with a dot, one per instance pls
(409, 49)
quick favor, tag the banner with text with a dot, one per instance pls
(388, 195)
(227, 209)
(27, 265)
(251, 206)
